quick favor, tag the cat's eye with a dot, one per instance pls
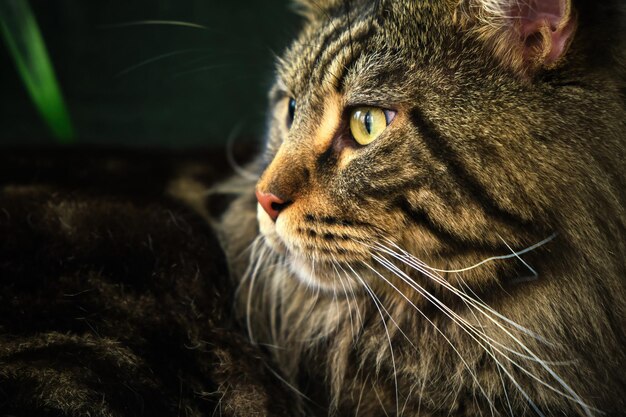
(368, 123)
(291, 111)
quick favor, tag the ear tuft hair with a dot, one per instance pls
(313, 9)
(526, 35)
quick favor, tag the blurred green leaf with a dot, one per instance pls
(21, 33)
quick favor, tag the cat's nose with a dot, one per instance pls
(271, 203)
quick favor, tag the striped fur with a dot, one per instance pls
(347, 290)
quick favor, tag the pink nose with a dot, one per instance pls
(272, 204)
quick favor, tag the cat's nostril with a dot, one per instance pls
(279, 206)
(271, 203)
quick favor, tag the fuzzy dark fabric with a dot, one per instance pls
(114, 296)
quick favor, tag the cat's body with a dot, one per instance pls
(498, 142)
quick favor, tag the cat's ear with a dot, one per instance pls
(527, 35)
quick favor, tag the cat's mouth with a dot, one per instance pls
(321, 251)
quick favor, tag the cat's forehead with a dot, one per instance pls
(362, 50)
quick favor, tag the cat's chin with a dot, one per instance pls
(322, 276)
(319, 275)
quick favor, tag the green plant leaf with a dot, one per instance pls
(23, 38)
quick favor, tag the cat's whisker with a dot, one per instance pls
(421, 267)
(251, 252)
(230, 155)
(379, 305)
(266, 260)
(542, 362)
(423, 292)
(380, 401)
(464, 324)
(513, 254)
(358, 404)
(335, 299)
(463, 297)
(465, 287)
(518, 255)
(200, 69)
(470, 330)
(359, 316)
(490, 341)
(178, 23)
(386, 311)
(156, 59)
(498, 364)
(276, 304)
(334, 264)
(408, 397)
(573, 396)
(288, 384)
(256, 266)
(468, 327)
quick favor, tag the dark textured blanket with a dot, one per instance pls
(114, 295)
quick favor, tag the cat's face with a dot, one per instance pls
(394, 129)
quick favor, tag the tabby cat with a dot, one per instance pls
(438, 225)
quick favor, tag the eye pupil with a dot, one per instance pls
(292, 110)
(368, 122)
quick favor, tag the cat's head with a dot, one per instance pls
(451, 130)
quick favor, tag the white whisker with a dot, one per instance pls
(463, 296)
(571, 396)
(420, 266)
(464, 325)
(200, 69)
(518, 256)
(498, 364)
(378, 303)
(230, 155)
(408, 397)
(382, 406)
(388, 314)
(358, 405)
(359, 316)
(290, 386)
(421, 291)
(497, 258)
(155, 23)
(256, 266)
(347, 301)
(467, 327)
(155, 59)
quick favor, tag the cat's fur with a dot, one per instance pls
(500, 142)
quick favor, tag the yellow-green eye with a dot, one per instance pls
(367, 123)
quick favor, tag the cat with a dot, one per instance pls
(436, 225)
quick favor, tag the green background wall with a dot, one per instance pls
(206, 84)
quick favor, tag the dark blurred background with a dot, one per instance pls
(158, 85)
